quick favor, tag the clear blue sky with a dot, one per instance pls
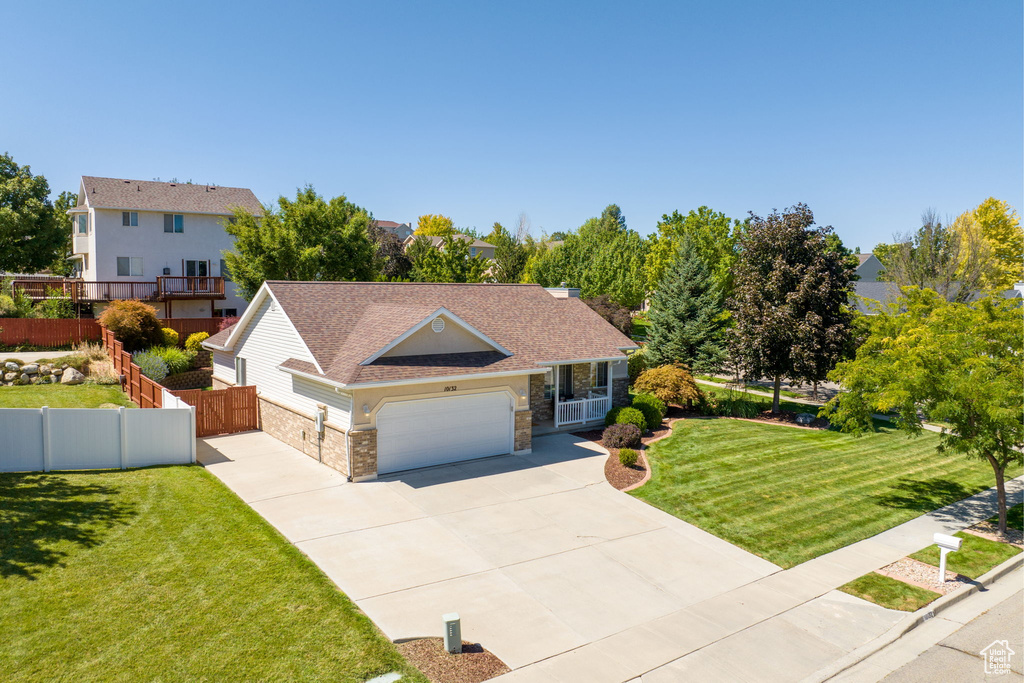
(870, 112)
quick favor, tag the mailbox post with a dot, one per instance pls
(947, 544)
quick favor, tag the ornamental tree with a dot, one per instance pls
(30, 236)
(670, 383)
(961, 364)
(307, 238)
(434, 225)
(790, 304)
(688, 315)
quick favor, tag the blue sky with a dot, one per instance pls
(870, 112)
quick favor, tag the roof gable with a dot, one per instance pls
(450, 334)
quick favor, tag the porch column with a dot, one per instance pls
(554, 369)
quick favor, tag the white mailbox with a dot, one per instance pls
(947, 544)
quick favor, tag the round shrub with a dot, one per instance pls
(632, 416)
(652, 416)
(151, 365)
(628, 457)
(194, 343)
(670, 383)
(133, 323)
(653, 400)
(621, 436)
(636, 364)
(611, 417)
(177, 360)
(170, 336)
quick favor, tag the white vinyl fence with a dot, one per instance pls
(34, 439)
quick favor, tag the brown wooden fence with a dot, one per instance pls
(143, 391)
(55, 332)
(224, 411)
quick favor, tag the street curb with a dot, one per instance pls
(914, 620)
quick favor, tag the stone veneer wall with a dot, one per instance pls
(581, 380)
(524, 431)
(620, 391)
(543, 409)
(287, 425)
(364, 453)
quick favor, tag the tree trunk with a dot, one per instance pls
(814, 392)
(775, 399)
(1000, 492)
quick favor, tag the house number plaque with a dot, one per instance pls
(451, 388)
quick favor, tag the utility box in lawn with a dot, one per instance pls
(452, 633)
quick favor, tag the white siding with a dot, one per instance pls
(224, 366)
(269, 340)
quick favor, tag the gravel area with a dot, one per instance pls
(924, 576)
(990, 531)
(472, 665)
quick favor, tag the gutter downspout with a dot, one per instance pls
(348, 450)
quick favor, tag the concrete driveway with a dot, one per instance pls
(537, 553)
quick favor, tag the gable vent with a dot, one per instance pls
(437, 324)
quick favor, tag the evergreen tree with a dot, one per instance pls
(687, 316)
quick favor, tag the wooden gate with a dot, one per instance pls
(223, 411)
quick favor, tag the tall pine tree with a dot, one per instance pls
(687, 315)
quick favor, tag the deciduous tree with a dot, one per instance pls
(790, 302)
(962, 364)
(999, 225)
(510, 255)
(434, 225)
(65, 200)
(616, 314)
(712, 234)
(30, 237)
(307, 238)
(395, 264)
(688, 314)
(450, 263)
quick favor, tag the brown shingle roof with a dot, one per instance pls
(438, 240)
(343, 323)
(148, 195)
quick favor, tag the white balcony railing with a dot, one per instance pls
(581, 410)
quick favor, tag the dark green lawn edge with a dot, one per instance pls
(976, 556)
(888, 592)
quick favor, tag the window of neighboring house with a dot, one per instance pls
(239, 371)
(599, 377)
(549, 384)
(196, 268)
(224, 272)
(83, 223)
(229, 312)
(472, 252)
(565, 383)
(129, 266)
(174, 222)
(130, 218)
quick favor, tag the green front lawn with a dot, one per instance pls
(790, 495)
(1014, 517)
(889, 593)
(976, 556)
(164, 574)
(753, 387)
(62, 396)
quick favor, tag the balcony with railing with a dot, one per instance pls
(164, 289)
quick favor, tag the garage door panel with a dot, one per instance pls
(426, 432)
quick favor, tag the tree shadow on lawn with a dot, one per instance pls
(41, 513)
(923, 495)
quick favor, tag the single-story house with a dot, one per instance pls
(373, 378)
(476, 247)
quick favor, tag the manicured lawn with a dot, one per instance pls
(641, 328)
(976, 555)
(163, 574)
(752, 387)
(889, 593)
(61, 396)
(1014, 517)
(790, 494)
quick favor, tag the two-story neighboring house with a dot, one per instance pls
(158, 242)
(476, 247)
(400, 230)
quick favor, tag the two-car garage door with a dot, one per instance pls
(435, 431)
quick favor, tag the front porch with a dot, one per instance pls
(571, 397)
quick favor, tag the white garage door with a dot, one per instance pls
(435, 431)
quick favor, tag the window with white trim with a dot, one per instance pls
(129, 266)
(174, 222)
(130, 218)
(195, 268)
(549, 384)
(83, 224)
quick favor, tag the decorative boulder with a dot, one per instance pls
(11, 366)
(805, 418)
(10, 376)
(25, 377)
(72, 376)
(30, 369)
(58, 372)
(44, 369)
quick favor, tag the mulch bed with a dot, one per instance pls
(472, 665)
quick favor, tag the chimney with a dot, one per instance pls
(564, 292)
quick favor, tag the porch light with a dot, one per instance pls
(366, 409)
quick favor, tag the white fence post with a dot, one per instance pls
(192, 427)
(46, 438)
(123, 422)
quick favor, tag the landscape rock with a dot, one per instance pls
(25, 377)
(72, 376)
(44, 369)
(58, 372)
(11, 367)
(10, 376)
(30, 369)
(805, 418)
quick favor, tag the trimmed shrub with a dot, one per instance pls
(133, 323)
(170, 336)
(194, 343)
(628, 457)
(621, 436)
(611, 417)
(651, 399)
(632, 416)
(151, 365)
(177, 360)
(652, 416)
(636, 364)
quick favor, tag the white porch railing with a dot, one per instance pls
(581, 410)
